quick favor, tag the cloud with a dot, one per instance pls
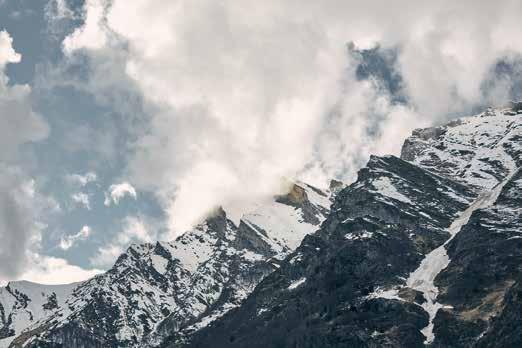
(19, 124)
(7, 53)
(88, 36)
(69, 241)
(118, 191)
(81, 180)
(237, 99)
(21, 205)
(53, 270)
(18, 216)
(134, 230)
(81, 199)
(59, 10)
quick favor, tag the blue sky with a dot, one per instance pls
(130, 120)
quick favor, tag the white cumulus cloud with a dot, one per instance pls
(21, 205)
(242, 93)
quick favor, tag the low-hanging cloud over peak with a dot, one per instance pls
(240, 94)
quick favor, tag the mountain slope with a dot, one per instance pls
(328, 293)
(422, 249)
(482, 282)
(478, 150)
(169, 289)
(23, 303)
(377, 273)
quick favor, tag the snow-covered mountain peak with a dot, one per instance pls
(422, 249)
(341, 255)
(479, 150)
(155, 290)
(280, 225)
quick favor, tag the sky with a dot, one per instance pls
(128, 121)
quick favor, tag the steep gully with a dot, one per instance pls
(422, 279)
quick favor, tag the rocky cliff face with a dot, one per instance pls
(422, 250)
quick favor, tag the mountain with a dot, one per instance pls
(421, 250)
(170, 289)
(22, 303)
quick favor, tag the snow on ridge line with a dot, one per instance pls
(467, 146)
(422, 279)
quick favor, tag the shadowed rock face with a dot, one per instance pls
(322, 295)
(482, 279)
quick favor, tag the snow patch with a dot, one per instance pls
(359, 236)
(297, 283)
(422, 279)
(390, 294)
(159, 263)
(385, 187)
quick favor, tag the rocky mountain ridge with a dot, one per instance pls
(420, 250)
(155, 290)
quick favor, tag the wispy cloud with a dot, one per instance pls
(117, 191)
(69, 241)
(81, 199)
(81, 180)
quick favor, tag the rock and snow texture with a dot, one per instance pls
(410, 253)
(484, 151)
(416, 252)
(422, 279)
(377, 232)
(478, 150)
(23, 303)
(297, 283)
(482, 282)
(285, 222)
(169, 289)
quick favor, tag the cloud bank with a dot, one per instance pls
(23, 208)
(241, 94)
(19, 125)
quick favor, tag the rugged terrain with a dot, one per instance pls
(423, 250)
(156, 290)
(420, 250)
